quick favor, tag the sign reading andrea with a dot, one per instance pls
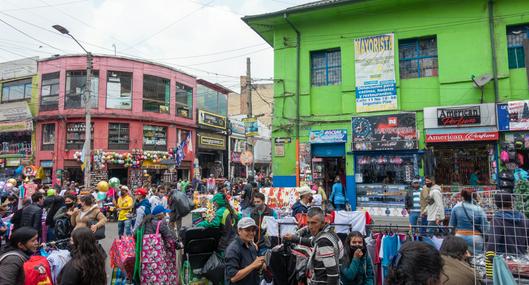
(328, 136)
(470, 115)
(375, 73)
(385, 132)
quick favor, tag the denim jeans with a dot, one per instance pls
(475, 243)
(124, 227)
(424, 222)
(339, 207)
(414, 217)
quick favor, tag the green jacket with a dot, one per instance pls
(359, 272)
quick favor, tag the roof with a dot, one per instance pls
(215, 86)
(119, 57)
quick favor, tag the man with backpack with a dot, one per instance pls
(61, 219)
(23, 243)
(32, 214)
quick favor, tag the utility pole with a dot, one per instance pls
(249, 111)
(88, 121)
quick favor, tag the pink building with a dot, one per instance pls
(141, 111)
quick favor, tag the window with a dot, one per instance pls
(118, 136)
(156, 94)
(184, 100)
(49, 92)
(119, 90)
(75, 86)
(211, 100)
(154, 138)
(48, 136)
(326, 67)
(418, 58)
(16, 90)
(75, 135)
(515, 37)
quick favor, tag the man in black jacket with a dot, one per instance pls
(32, 214)
(260, 211)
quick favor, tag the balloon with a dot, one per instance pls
(114, 182)
(9, 185)
(102, 186)
(19, 170)
(13, 181)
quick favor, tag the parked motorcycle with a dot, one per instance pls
(110, 212)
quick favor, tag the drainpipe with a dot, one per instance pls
(493, 46)
(298, 55)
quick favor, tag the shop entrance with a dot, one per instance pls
(120, 173)
(325, 170)
(455, 162)
(74, 174)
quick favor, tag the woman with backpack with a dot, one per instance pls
(23, 243)
(337, 195)
(61, 219)
(87, 266)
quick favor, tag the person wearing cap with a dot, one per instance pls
(124, 207)
(142, 207)
(151, 222)
(303, 204)
(225, 218)
(241, 260)
(413, 202)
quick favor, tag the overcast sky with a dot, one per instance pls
(193, 35)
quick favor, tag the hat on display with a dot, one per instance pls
(245, 223)
(141, 191)
(159, 210)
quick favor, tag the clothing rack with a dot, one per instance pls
(279, 224)
(55, 243)
(411, 228)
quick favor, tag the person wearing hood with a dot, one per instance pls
(225, 218)
(305, 199)
(142, 206)
(435, 208)
(89, 212)
(52, 203)
(23, 243)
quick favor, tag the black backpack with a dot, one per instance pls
(63, 228)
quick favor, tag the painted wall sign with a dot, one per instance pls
(328, 136)
(375, 73)
(211, 141)
(462, 137)
(385, 132)
(211, 120)
(459, 116)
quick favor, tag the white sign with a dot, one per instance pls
(375, 73)
(18, 68)
(434, 115)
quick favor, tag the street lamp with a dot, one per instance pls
(88, 124)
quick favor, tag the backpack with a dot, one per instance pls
(37, 271)
(63, 228)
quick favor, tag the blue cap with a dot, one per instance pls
(160, 209)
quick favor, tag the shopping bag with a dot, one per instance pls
(213, 270)
(122, 254)
(155, 265)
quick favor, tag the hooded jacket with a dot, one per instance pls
(509, 233)
(298, 207)
(223, 220)
(436, 211)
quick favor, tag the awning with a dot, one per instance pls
(462, 134)
(15, 117)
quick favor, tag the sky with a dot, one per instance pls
(205, 38)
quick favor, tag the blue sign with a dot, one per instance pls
(503, 117)
(328, 136)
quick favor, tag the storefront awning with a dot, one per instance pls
(15, 117)
(461, 134)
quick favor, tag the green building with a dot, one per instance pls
(381, 92)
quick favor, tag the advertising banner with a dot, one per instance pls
(211, 120)
(375, 73)
(251, 126)
(475, 115)
(328, 136)
(513, 116)
(385, 132)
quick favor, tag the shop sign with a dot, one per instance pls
(246, 158)
(279, 150)
(46, 163)
(328, 136)
(304, 159)
(385, 132)
(211, 141)
(375, 73)
(513, 116)
(251, 126)
(462, 137)
(16, 126)
(458, 116)
(283, 140)
(235, 157)
(12, 162)
(237, 127)
(211, 120)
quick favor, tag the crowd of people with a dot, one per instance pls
(78, 215)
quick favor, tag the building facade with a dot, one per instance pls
(379, 92)
(141, 112)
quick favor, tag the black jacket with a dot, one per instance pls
(32, 217)
(53, 204)
(258, 218)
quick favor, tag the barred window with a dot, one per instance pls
(515, 37)
(326, 67)
(418, 57)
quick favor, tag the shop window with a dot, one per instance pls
(184, 100)
(16, 90)
(154, 138)
(326, 67)
(48, 136)
(75, 86)
(75, 136)
(211, 100)
(49, 92)
(515, 38)
(156, 94)
(119, 90)
(418, 57)
(118, 136)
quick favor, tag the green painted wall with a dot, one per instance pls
(463, 44)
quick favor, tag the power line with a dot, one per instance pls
(210, 54)
(38, 7)
(29, 36)
(228, 58)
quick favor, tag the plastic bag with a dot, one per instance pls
(213, 270)
(180, 204)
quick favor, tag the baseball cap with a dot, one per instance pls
(141, 191)
(245, 223)
(124, 188)
(415, 181)
(160, 209)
